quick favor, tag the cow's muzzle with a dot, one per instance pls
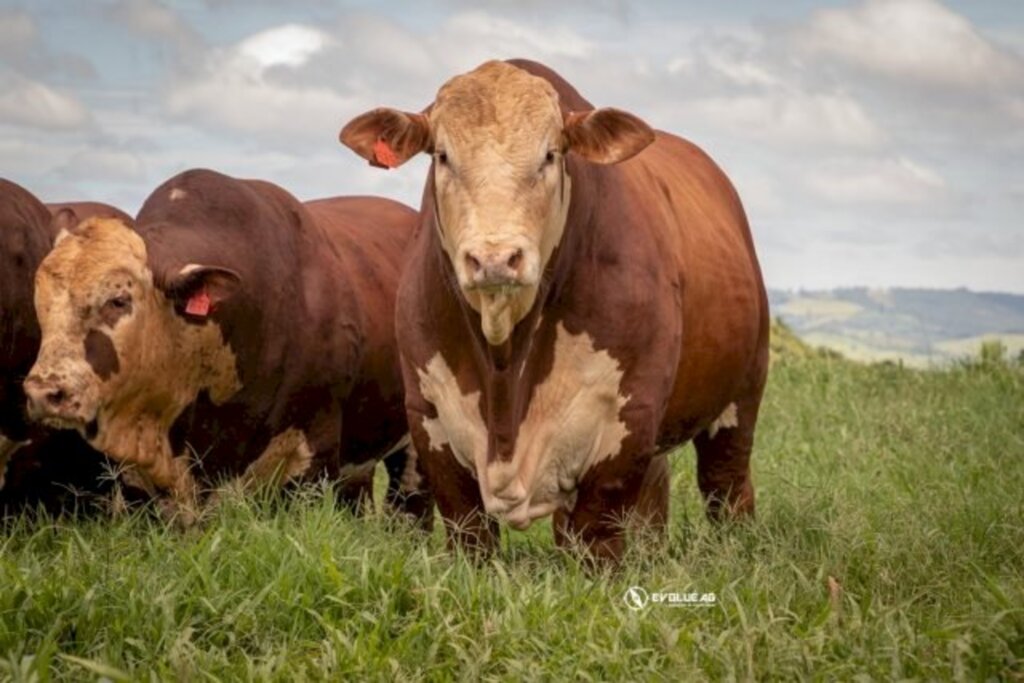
(54, 402)
(494, 268)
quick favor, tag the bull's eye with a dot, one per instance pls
(442, 158)
(119, 302)
(549, 158)
(115, 307)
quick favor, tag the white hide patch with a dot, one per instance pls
(727, 420)
(287, 456)
(358, 472)
(178, 193)
(8, 449)
(571, 424)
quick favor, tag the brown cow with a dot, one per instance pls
(228, 335)
(38, 467)
(573, 309)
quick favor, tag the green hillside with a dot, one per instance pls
(917, 326)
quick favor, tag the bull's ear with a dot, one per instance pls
(63, 223)
(606, 136)
(387, 138)
(197, 290)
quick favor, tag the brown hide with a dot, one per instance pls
(656, 276)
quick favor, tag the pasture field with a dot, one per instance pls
(889, 544)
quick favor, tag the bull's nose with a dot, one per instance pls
(494, 267)
(45, 395)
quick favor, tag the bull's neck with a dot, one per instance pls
(503, 366)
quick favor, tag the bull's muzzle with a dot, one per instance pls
(52, 400)
(494, 268)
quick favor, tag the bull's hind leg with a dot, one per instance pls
(723, 461)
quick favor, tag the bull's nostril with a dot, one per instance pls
(55, 397)
(515, 259)
(472, 263)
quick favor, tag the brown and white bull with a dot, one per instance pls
(235, 332)
(583, 296)
(38, 467)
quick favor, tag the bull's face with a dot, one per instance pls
(108, 332)
(502, 188)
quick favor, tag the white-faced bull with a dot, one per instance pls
(582, 297)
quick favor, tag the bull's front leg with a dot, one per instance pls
(457, 494)
(407, 493)
(626, 493)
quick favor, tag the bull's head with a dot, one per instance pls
(110, 335)
(502, 188)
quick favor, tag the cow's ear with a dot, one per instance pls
(197, 290)
(606, 136)
(387, 138)
(62, 224)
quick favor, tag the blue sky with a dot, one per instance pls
(874, 142)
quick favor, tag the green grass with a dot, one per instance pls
(905, 487)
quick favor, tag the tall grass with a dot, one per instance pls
(889, 544)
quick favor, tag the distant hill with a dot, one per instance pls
(920, 326)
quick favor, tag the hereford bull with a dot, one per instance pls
(583, 297)
(37, 467)
(234, 332)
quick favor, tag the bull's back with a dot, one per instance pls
(697, 216)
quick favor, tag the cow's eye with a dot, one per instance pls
(442, 158)
(119, 302)
(115, 308)
(549, 158)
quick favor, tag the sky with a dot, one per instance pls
(873, 142)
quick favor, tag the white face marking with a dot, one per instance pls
(177, 193)
(502, 188)
(727, 420)
(8, 448)
(571, 424)
(164, 362)
(287, 456)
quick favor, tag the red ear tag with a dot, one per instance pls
(199, 304)
(384, 155)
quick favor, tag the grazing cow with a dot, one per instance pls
(236, 332)
(38, 467)
(582, 297)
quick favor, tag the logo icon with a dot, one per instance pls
(636, 598)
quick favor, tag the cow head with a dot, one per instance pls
(499, 141)
(113, 341)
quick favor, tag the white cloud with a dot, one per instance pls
(887, 182)
(787, 118)
(104, 165)
(234, 88)
(27, 102)
(489, 36)
(913, 41)
(153, 19)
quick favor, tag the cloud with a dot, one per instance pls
(26, 102)
(153, 19)
(235, 89)
(910, 41)
(103, 165)
(887, 182)
(787, 118)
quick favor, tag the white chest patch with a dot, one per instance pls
(571, 423)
